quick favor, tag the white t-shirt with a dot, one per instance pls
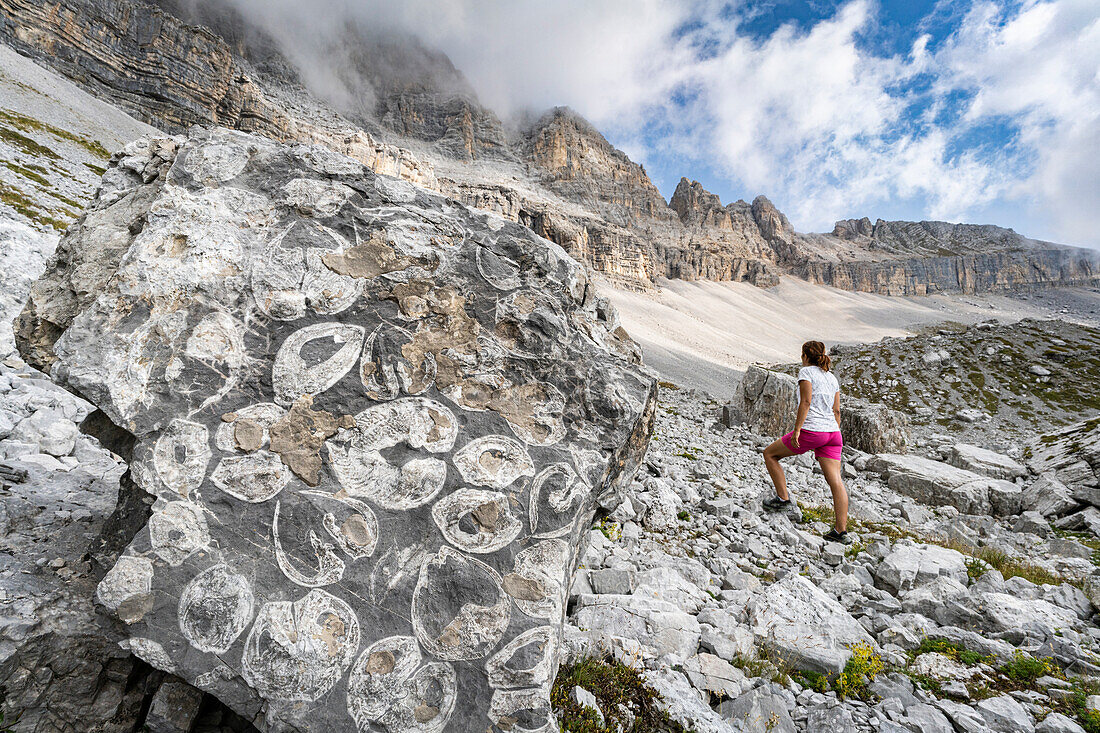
(820, 417)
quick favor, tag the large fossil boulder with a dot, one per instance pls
(376, 424)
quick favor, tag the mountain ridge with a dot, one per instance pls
(176, 63)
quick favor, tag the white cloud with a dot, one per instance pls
(1041, 70)
(825, 127)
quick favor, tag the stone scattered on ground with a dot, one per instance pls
(915, 589)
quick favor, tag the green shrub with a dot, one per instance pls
(958, 652)
(1025, 669)
(1089, 719)
(611, 529)
(860, 670)
(622, 694)
(813, 680)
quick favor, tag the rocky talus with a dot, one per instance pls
(938, 616)
(373, 445)
(999, 384)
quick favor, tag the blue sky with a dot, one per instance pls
(887, 30)
(982, 111)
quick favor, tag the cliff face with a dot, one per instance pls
(573, 159)
(917, 258)
(177, 63)
(996, 271)
(174, 75)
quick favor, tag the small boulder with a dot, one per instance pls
(872, 427)
(1058, 723)
(910, 566)
(758, 711)
(1004, 715)
(1048, 496)
(985, 462)
(174, 708)
(49, 430)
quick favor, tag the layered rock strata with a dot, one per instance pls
(376, 425)
(918, 258)
(174, 75)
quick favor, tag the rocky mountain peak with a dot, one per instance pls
(578, 162)
(852, 229)
(697, 206)
(772, 222)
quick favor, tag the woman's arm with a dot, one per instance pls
(836, 408)
(805, 394)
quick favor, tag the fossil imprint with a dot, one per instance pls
(374, 433)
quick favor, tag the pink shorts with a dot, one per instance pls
(824, 445)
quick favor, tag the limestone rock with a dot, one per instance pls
(917, 258)
(308, 568)
(873, 428)
(986, 462)
(767, 401)
(1058, 723)
(908, 567)
(758, 711)
(804, 626)
(49, 430)
(174, 709)
(939, 484)
(683, 704)
(1048, 496)
(1005, 715)
(1072, 454)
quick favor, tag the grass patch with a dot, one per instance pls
(29, 124)
(948, 648)
(668, 385)
(97, 169)
(822, 513)
(26, 144)
(683, 516)
(14, 198)
(27, 173)
(1008, 565)
(627, 702)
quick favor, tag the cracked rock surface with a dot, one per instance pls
(376, 425)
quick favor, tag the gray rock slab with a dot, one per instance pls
(758, 711)
(804, 626)
(376, 424)
(984, 461)
(940, 484)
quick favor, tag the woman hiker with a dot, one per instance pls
(816, 428)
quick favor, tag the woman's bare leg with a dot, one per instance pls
(831, 468)
(772, 454)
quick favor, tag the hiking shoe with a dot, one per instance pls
(833, 536)
(775, 504)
